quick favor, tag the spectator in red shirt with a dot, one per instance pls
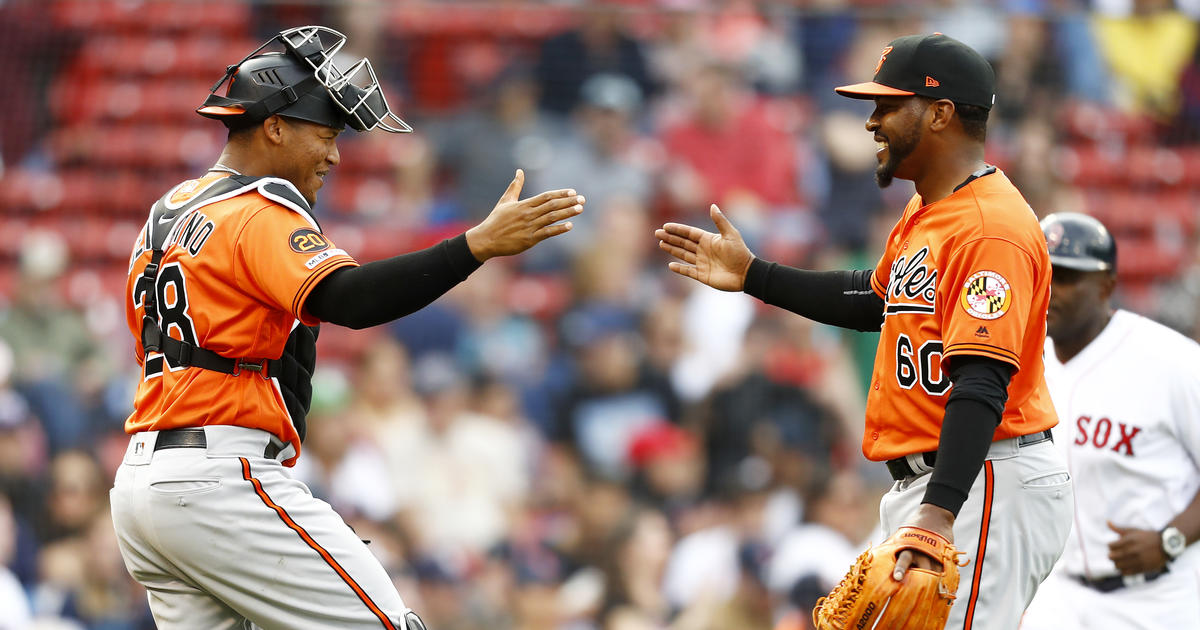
(729, 147)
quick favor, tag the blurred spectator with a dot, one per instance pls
(729, 147)
(83, 578)
(498, 340)
(668, 467)
(481, 149)
(825, 34)
(613, 394)
(13, 600)
(75, 495)
(1154, 30)
(597, 44)
(713, 323)
(851, 197)
(1029, 82)
(635, 560)
(49, 339)
(767, 413)
(839, 515)
(22, 486)
(344, 463)
(608, 161)
(977, 24)
(463, 473)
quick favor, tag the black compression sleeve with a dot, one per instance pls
(973, 411)
(838, 298)
(384, 290)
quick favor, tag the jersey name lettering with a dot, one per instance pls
(194, 233)
(1102, 433)
(911, 279)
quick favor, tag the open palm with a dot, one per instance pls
(718, 260)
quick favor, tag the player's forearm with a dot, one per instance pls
(973, 411)
(384, 290)
(838, 298)
(1188, 521)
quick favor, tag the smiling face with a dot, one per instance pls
(897, 123)
(308, 152)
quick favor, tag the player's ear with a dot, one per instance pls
(274, 128)
(943, 112)
(1108, 284)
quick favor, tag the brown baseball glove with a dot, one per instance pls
(870, 597)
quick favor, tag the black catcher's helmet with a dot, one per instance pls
(302, 81)
(1078, 241)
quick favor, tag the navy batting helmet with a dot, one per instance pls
(302, 81)
(1078, 241)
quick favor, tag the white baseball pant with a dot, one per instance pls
(222, 537)
(1012, 528)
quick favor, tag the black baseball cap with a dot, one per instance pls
(935, 66)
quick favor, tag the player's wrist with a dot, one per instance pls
(477, 242)
(1173, 542)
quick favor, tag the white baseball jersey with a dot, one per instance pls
(1129, 423)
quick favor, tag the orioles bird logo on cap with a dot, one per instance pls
(882, 57)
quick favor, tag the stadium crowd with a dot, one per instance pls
(576, 438)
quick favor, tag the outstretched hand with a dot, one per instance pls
(515, 225)
(718, 260)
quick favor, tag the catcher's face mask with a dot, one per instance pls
(302, 81)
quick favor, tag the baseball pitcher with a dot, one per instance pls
(957, 407)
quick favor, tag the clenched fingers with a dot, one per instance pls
(903, 561)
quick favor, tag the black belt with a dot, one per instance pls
(1116, 582)
(900, 468)
(194, 438)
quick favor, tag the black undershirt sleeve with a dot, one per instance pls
(838, 298)
(973, 411)
(384, 290)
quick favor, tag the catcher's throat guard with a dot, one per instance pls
(302, 81)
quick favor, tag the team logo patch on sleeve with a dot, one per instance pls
(307, 241)
(986, 295)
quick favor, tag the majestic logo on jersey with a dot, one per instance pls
(986, 295)
(912, 287)
(307, 241)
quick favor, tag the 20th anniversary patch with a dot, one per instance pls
(986, 295)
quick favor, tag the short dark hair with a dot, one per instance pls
(974, 120)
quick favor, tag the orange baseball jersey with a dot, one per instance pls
(966, 275)
(236, 269)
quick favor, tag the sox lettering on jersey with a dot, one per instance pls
(1102, 434)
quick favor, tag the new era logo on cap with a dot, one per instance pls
(935, 66)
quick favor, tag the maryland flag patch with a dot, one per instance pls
(986, 295)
